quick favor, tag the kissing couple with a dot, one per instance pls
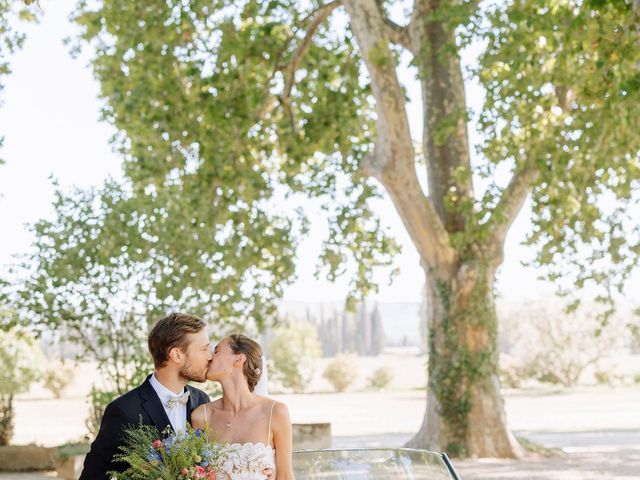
(256, 428)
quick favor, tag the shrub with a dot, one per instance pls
(98, 401)
(342, 371)
(550, 345)
(21, 361)
(57, 378)
(380, 378)
(293, 353)
(603, 378)
(511, 374)
(71, 449)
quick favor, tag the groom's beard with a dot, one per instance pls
(188, 372)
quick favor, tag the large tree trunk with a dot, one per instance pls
(465, 411)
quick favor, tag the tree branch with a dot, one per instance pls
(445, 135)
(511, 202)
(417, 213)
(393, 160)
(317, 17)
(396, 33)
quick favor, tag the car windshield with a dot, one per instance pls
(371, 464)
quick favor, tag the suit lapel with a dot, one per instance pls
(192, 403)
(153, 406)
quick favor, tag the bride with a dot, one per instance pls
(256, 428)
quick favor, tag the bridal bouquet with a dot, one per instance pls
(152, 456)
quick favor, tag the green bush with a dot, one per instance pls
(603, 378)
(21, 360)
(294, 349)
(380, 379)
(57, 378)
(342, 371)
(71, 449)
(98, 401)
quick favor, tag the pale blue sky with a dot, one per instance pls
(51, 127)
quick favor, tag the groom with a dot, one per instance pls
(181, 352)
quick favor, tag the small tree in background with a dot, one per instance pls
(550, 345)
(22, 361)
(380, 378)
(294, 351)
(377, 333)
(363, 329)
(57, 377)
(342, 371)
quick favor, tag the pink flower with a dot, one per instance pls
(211, 475)
(157, 444)
(199, 471)
(184, 470)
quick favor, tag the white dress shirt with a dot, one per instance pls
(178, 414)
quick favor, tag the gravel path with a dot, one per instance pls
(589, 456)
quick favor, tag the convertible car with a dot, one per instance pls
(372, 464)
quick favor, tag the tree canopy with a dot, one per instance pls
(222, 106)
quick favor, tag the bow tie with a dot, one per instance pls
(176, 400)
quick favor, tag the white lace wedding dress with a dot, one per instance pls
(250, 460)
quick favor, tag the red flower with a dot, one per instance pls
(157, 444)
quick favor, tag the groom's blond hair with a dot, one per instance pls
(171, 332)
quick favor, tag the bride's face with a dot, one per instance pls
(222, 363)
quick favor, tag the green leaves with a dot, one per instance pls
(562, 95)
(357, 242)
(190, 88)
(22, 362)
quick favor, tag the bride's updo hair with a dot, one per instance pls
(253, 352)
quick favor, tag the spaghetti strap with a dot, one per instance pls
(269, 431)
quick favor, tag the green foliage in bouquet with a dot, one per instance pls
(150, 455)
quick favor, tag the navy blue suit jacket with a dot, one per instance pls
(140, 403)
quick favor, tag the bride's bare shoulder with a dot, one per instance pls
(197, 415)
(280, 410)
(266, 402)
(281, 420)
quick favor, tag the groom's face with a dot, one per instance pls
(197, 357)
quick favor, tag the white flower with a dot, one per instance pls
(248, 461)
